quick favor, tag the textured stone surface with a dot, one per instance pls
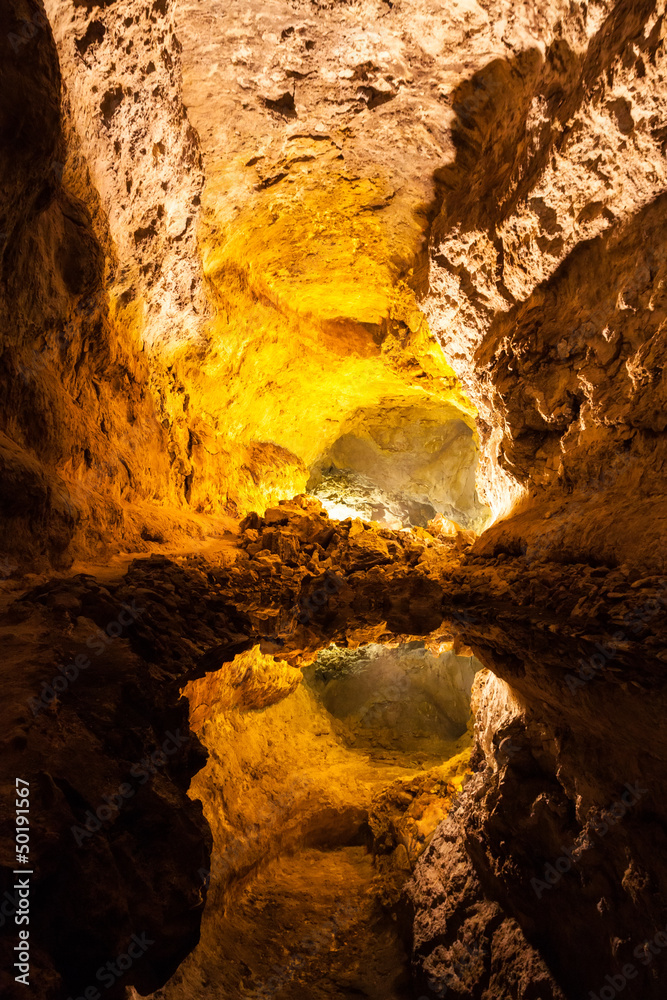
(295, 582)
(423, 462)
(545, 282)
(231, 236)
(109, 755)
(271, 201)
(85, 454)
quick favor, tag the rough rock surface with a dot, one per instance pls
(476, 165)
(106, 746)
(84, 449)
(546, 275)
(298, 581)
(582, 647)
(229, 234)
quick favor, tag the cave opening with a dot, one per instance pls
(401, 466)
(396, 702)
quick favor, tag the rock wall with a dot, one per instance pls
(466, 168)
(544, 881)
(105, 745)
(546, 276)
(134, 369)
(86, 454)
(470, 167)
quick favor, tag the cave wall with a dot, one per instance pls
(546, 279)
(103, 738)
(446, 164)
(175, 349)
(85, 450)
(93, 671)
(197, 358)
(545, 879)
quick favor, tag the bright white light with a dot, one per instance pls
(341, 511)
(338, 511)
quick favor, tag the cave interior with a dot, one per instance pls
(332, 491)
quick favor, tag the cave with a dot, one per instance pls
(332, 548)
(401, 467)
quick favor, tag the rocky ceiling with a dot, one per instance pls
(243, 248)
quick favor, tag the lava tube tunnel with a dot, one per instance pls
(332, 500)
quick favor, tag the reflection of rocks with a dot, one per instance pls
(223, 228)
(542, 780)
(405, 814)
(109, 763)
(300, 809)
(396, 699)
(530, 865)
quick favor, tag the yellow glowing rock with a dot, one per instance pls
(252, 680)
(315, 321)
(444, 527)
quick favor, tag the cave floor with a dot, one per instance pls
(309, 926)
